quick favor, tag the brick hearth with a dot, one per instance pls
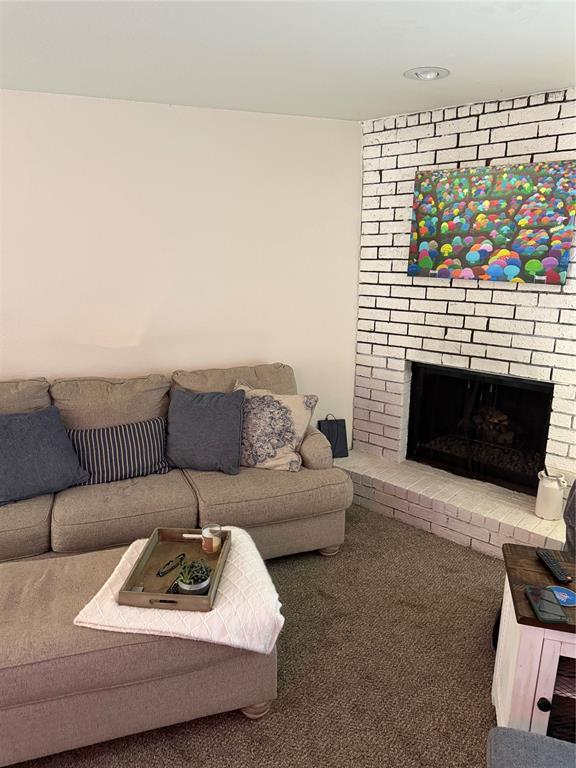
(472, 513)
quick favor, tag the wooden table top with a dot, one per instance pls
(524, 568)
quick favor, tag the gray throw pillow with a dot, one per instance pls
(205, 430)
(36, 456)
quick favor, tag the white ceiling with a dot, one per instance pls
(325, 59)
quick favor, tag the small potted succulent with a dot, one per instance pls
(194, 578)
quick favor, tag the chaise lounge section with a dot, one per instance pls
(63, 686)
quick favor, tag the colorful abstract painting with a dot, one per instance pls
(513, 224)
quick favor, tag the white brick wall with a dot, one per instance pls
(512, 329)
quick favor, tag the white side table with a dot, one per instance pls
(528, 653)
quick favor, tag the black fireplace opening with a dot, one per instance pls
(488, 427)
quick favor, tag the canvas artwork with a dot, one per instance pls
(513, 224)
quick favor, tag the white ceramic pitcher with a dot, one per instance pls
(550, 496)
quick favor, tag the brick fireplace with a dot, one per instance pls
(519, 331)
(527, 331)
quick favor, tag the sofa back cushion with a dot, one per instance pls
(276, 377)
(99, 402)
(24, 395)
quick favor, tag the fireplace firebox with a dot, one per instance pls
(488, 427)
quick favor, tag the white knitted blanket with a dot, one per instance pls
(246, 611)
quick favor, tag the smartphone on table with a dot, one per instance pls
(545, 605)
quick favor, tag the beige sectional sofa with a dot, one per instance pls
(285, 512)
(78, 686)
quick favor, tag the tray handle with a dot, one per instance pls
(162, 600)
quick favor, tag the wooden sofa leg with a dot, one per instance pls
(330, 551)
(257, 711)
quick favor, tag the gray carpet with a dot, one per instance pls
(384, 662)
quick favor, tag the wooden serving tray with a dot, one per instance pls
(165, 544)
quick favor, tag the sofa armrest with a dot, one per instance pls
(315, 450)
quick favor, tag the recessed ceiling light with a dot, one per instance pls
(426, 73)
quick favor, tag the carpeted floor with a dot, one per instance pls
(384, 662)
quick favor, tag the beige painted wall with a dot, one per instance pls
(144, 237)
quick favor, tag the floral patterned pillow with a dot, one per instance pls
(274, 427)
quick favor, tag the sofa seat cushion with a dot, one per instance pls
(25, 528)
(261, 496)
(43, 655)
(95, 516)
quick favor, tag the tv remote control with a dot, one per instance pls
(553, 564)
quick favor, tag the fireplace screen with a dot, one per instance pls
(492, 428)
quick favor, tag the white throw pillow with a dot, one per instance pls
(274, 427)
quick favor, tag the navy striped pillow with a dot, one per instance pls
(121, 452)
